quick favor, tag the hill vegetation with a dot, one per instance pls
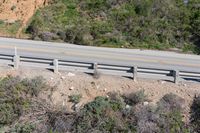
(148, 24)
(24, 110)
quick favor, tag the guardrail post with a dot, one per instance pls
(16, 60)
(135, 73)
(176, 76)
(55, 64)
(95, 67)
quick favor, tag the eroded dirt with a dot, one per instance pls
(19, 10)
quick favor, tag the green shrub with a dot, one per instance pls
(75, 98)
(103, 115)
(11, 99)
(23, 128)
(1, 22)
(34, 86)
(173, 123)
(170, 109)
(7, 113)
(13, 7)
(166, 117)
(135, 98)
(15, 97)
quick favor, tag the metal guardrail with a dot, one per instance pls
(95, 68)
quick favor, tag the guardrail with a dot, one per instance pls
(133, 72)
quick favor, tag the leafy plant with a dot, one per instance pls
(24, 128)
(75, 98)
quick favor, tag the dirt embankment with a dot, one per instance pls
(69, 83)
(19, 10)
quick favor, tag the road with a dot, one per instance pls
(142, 58)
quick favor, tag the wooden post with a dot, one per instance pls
(176, 76)
(55, 64)
(16, 60)
(135, 73)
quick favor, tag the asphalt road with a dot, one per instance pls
(142, 58)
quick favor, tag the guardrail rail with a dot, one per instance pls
(97, 67)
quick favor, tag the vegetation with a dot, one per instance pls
(195, 114)
(17, 99)
(148, 24)
(113, 115)
(10, 28)
(75, 98)
(23, 111)
(135, 98)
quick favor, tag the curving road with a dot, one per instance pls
(142, 58)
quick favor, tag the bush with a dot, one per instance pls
(16, 95)
(171, 102)
(34, 86)
(102, 115)
(165, 117)
(8, 113)
(1, 22)
(147, 119)
(23, 128)
(13, 7)
(75, 98)
(135, 98)
(11, 99)
(170, 109)
(61, 122)
(195, 114)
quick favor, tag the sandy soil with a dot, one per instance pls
(68, 83)
(22, 10)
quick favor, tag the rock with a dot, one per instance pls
(62, 77)
(163, 82)
(77, 107)
(10, 21)
(51, 78)
(70, 74)
(105, 89)
(145, 103)
(128, 106)
(71, 88)
(97, 87)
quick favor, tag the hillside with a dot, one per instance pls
(15, 14)
(147, 24)
(78, 103)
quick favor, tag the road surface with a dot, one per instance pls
(118, 56)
